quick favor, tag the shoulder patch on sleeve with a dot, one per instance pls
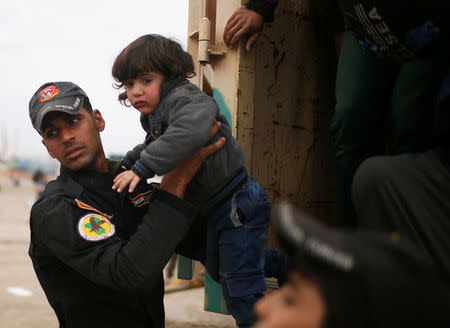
(95, 227)
(90, 208)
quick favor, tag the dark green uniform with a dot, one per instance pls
(98, 258)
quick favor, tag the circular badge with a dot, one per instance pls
(95, 227)
(48, 93)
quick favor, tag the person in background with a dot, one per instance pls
(39, 180)
(410, 193)
(392, 59)
(394, 272)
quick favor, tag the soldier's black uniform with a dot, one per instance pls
(97, 257)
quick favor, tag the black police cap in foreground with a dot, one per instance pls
(399, 284)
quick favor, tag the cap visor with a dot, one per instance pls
(69, 105)
(302, 237)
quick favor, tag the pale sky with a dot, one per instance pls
(43, 41)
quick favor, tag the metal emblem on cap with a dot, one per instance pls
(95, 227)
(48, 93)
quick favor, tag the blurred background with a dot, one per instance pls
(42, 41)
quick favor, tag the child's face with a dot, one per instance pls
(297, 304)
(143, 91)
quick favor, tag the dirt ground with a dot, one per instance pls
(22, 301)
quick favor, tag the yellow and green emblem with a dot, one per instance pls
(95, 227)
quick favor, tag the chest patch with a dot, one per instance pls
(95, 227)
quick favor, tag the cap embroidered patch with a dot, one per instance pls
(95, 227)
(142, 199)
(48, 93)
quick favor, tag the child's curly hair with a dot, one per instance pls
(151, 52)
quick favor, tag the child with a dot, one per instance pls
(177, 117)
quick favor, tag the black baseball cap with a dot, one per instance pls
(64, 97)
(379, 279)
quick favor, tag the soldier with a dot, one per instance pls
(98, 258)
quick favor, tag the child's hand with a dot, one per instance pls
(124, 179)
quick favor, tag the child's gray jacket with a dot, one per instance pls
(179, 127)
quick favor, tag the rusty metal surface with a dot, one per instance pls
(293, 100)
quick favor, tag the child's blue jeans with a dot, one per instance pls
(236, 249)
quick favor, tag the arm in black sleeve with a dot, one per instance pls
(133, 155)
(134, 264)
